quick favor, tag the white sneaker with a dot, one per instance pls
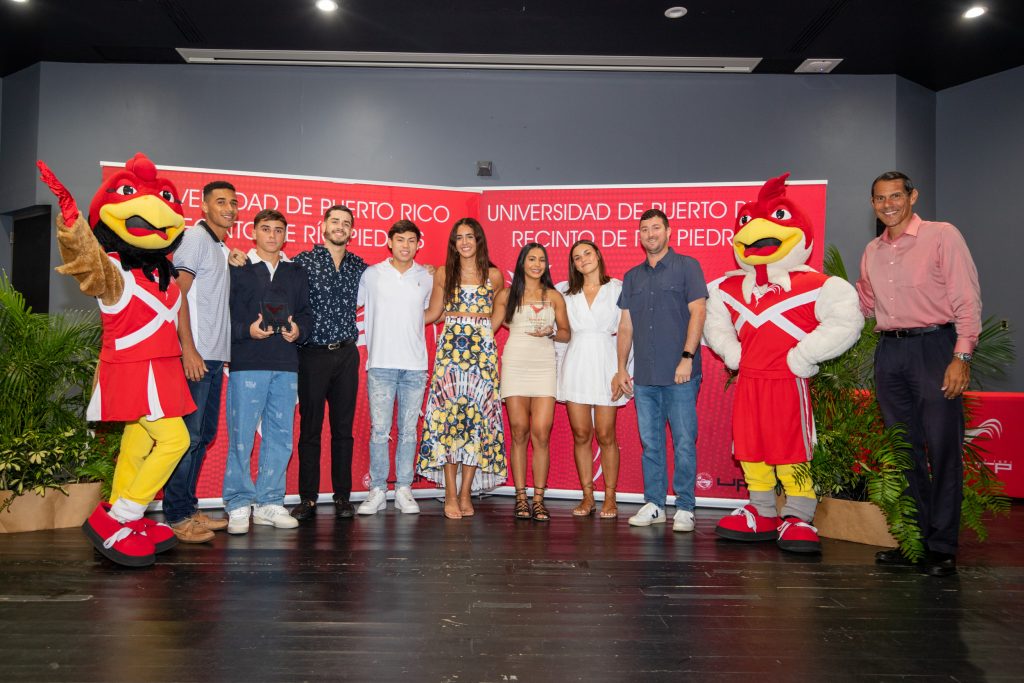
(374, 503)
(647, 515)
(273, 515)
(683, 521)
(405, 502)
(238, 520)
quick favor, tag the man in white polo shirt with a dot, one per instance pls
(395, 292)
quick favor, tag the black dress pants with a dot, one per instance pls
(331, 376)
(908, 380)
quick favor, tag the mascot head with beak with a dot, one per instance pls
(773, 235)
(137, 214)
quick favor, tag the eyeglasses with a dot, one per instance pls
(894, 197)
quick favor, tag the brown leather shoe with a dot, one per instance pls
(210, 523)
(190, 531)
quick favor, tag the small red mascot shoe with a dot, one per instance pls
(744, 524)
(117, 542)
(797, 536)
(162, 535)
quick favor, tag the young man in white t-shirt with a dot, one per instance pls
(395, 293)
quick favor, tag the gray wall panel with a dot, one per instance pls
(5, 221)
(979, 154)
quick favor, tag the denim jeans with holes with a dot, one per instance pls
(268, 398)
(383, 386)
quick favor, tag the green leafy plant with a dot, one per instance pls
(35, 461)
(47, 363)
(101, 456)
(857, 458)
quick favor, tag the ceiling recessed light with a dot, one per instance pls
(326, 5)
(975, 12)
(818, 66)
(675, 12)
(22, 1)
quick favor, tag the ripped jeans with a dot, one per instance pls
(383, 385)
(266, 398)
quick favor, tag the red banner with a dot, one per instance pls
(996, 428)
(701, 217)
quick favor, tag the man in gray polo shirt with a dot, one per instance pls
(204, 332)
(662, 302)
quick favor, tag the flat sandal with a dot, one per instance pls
(586, 506)
(609, 492)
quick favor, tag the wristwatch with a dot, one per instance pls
(965, 357)
(687, 354)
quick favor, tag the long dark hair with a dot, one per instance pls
(518, 287)
(576, 277)
(452, 269)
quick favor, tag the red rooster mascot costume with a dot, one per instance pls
(121, 257)
(774, 320)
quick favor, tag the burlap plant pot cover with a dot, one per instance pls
(54, 510)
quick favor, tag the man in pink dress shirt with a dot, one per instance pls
(918, 280)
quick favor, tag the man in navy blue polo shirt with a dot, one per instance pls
(663, 313)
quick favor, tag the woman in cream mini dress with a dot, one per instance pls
(535, 314)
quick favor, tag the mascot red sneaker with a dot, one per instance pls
(774, 320)
(121, 257)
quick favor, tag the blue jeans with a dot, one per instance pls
(254, 395)
(382, 385)
(180, 490)
(677, 405)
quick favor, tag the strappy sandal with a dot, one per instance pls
(540, 512)
(612, 511)
(586, 506)
(522, 509)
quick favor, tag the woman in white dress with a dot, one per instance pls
(584, 378)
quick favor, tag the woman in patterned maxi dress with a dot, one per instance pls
(462, 423)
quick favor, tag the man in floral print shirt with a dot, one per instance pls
(329, 363)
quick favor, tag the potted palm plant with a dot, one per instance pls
(858, 465)
(53, 466)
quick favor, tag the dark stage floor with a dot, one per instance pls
(420, 598)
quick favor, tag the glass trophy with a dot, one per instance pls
(275, 315)
(538, 316)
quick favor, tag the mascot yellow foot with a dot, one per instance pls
(758, 520)
(121, 257)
